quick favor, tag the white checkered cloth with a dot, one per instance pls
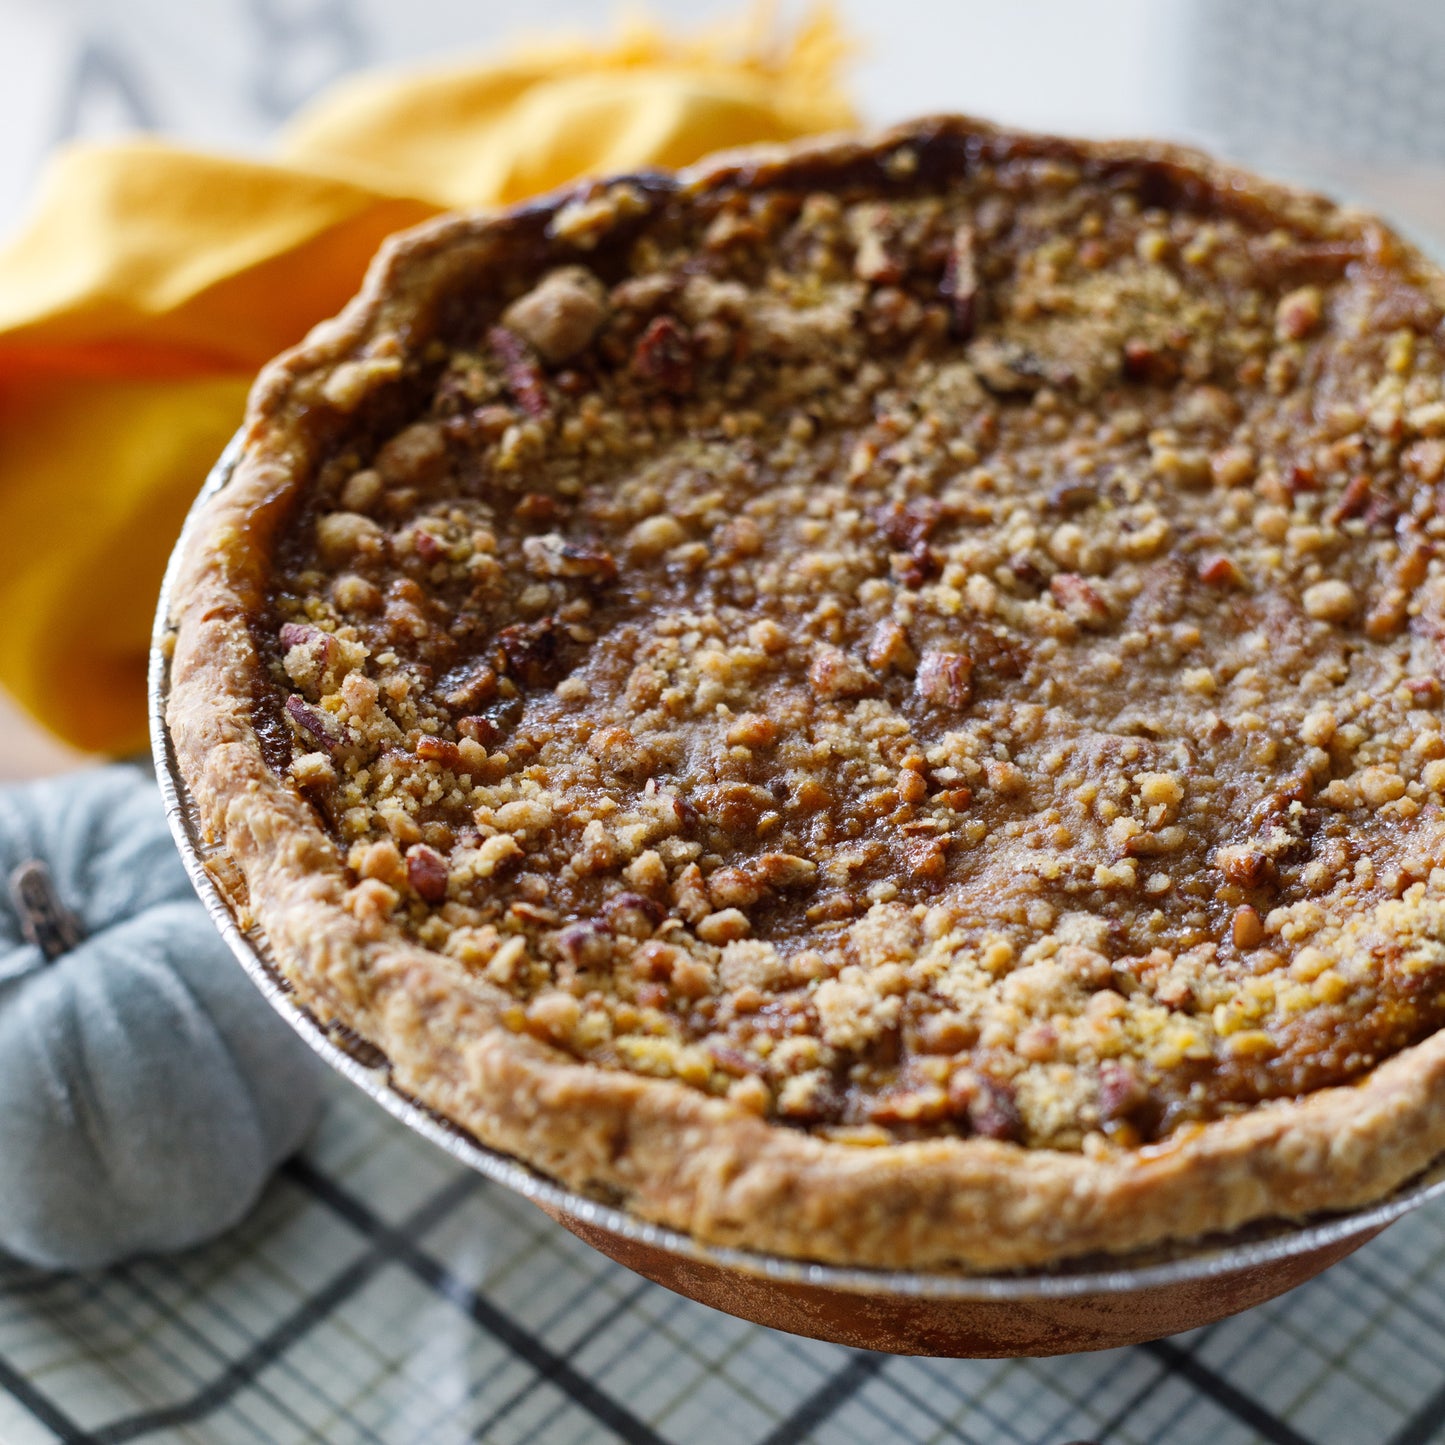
(383, 1293)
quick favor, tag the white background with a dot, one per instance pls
(1110, 66)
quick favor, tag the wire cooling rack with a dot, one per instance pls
(383, 1292)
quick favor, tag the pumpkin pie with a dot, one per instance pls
(878, 701)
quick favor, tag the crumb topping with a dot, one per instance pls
(955, 658)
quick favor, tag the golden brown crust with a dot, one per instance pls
(703, 1164)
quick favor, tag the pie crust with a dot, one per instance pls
(1108, 914)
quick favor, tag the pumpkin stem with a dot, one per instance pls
(44, 919)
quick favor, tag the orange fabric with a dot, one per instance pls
(152, 282)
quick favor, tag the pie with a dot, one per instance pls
(877, 701)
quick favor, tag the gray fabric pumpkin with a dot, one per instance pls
(147, 1090)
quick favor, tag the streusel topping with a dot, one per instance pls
(955, 658)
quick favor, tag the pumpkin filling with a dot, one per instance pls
(966, 662)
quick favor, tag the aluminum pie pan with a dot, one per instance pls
(1253, 1248)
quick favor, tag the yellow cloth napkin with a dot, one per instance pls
(152, 282)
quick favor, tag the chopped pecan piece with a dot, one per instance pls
(1299, 313)
(690, 896)
(960, 285)
(1028, 573)
(439, 750)
(620, 753)
(874, 260)
(663, 356)
(1122, 1091)
(1389, 614)
(1403, 307)
(945, 679)
(1080, 601)
(923, 565)
(528, 651)
(468, 686)
(835, 674)
(906, 524)
(926, 858)
(784, 870)
(633, 914)
(1301, 260)
(537, 509)
(1353, 500)
(989, 1104)
(314, 723)
(552, 555)
(736, 807)
(734, 1061)
(1247, 929)
(955, 799)
(520, 371)
(889, 647)
(1069, 497)
(426, 871)
(752, 730)
(1006, 367)
(1245, 866)
(301, 634)
(480, 425)
(734, 888)
(479, 729)
(1150, 364)
(1219, 570)
(812, 1100)
(586, 945)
